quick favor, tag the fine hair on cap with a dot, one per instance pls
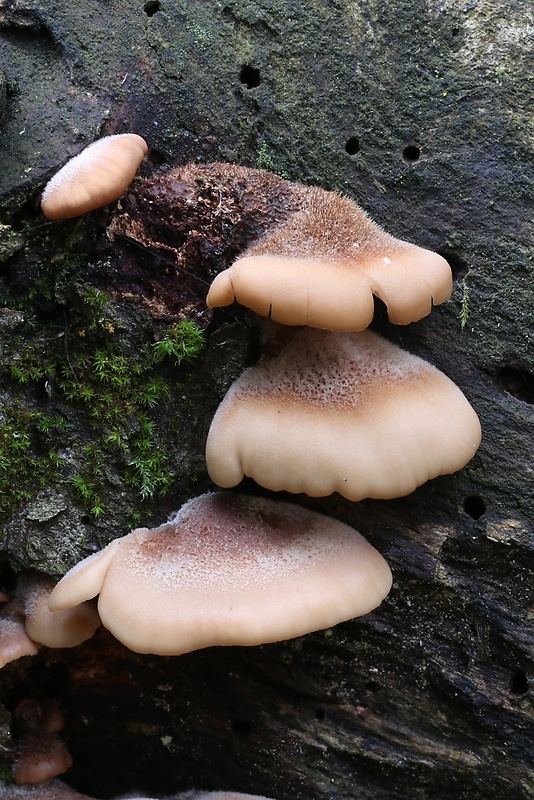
(229, 570)
(322, 266)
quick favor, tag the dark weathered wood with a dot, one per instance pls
(417, 110)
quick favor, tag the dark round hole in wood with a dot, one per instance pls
(241, 727)
(474, 506)
(411, 153)
(86, 519)
(352, 145)
(319, 714)
(250, 76)
(517, 382)
(457, 264)
(152, 7)
(518, 683)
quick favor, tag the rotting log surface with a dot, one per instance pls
(420, 112)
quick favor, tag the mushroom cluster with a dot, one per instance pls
(331, 407)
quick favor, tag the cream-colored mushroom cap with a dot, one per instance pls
(324, 264)
(14, 641)
(231, 570)
(340, 412)
(95, 177)
(67, 628)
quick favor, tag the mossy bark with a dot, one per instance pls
(420, 112)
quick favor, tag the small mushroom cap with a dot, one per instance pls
(14, 641)
(54, 629)
(95, 177)
(41, 755)
(341, 412)
(45, 714)
(323, 266)
(231, 570)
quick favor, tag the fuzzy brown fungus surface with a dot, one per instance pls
(231, 570)
(98, 175)
(323, 265)
(328, 412)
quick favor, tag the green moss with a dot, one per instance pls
(182, 342)
(109, 388)
(21, 470)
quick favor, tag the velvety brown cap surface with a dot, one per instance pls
(231, 569)
(322, 267)
(341, 412)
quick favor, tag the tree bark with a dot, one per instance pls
(418, 111)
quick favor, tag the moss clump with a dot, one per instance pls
(182, 342)
(105, 385)
(20, 468)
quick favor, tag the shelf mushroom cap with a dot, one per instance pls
(324, 264)
(98, 175)
(340, 412)
(230, 570)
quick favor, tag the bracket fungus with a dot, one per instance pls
(229, 570)
(352, 413)
(322, 266)
(98, 175)
(299, 254)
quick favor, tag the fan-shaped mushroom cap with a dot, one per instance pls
(323, 266)
(95, 177)
(59, 629)
(230, 570)
(341, 412)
